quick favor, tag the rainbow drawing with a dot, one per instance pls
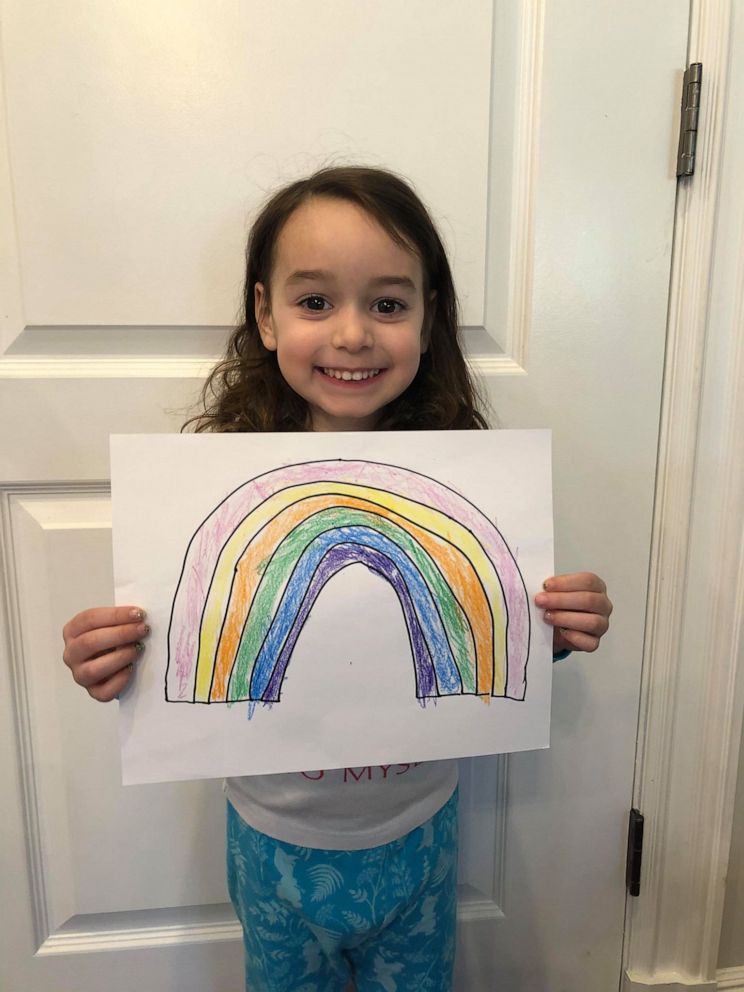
(255, 566)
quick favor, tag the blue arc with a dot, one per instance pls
(448, 675)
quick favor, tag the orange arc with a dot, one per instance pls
(457, 569)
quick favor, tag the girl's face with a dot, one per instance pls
(347, 313)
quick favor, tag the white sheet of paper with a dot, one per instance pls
(332, 600)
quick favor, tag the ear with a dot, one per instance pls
(262, 313)
(428, 321)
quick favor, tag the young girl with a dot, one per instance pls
(350, 323)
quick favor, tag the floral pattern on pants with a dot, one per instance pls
(314, 919)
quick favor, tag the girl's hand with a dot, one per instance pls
(101, 647)
(577, 607)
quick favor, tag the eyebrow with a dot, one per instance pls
(402, 281)
(317, 275)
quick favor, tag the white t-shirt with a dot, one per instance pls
(345, 809)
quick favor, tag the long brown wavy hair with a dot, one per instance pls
(246, 390)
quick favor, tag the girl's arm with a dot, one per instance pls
(101, 647)
(578, 609)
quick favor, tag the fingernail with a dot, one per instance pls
(137, 614)
(548, 616)
(547, 584)
(540, 598)
(140, 647)
(146, 630)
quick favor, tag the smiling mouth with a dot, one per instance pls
(350, 375)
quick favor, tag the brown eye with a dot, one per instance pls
(315, 303)
(388, 307)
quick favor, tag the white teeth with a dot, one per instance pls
(348, 376)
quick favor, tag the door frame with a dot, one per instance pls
(692, 693)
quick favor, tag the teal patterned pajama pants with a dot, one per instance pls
(314, 919)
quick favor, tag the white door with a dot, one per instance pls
(138, 138)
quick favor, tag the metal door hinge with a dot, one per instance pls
(689, 122)
(635, 852)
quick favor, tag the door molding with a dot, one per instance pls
(693, 684)
(731, 979)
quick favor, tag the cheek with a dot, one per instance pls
(411, 363)
(415, 348)
(295, 360)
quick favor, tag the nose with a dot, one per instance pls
(352, 331)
